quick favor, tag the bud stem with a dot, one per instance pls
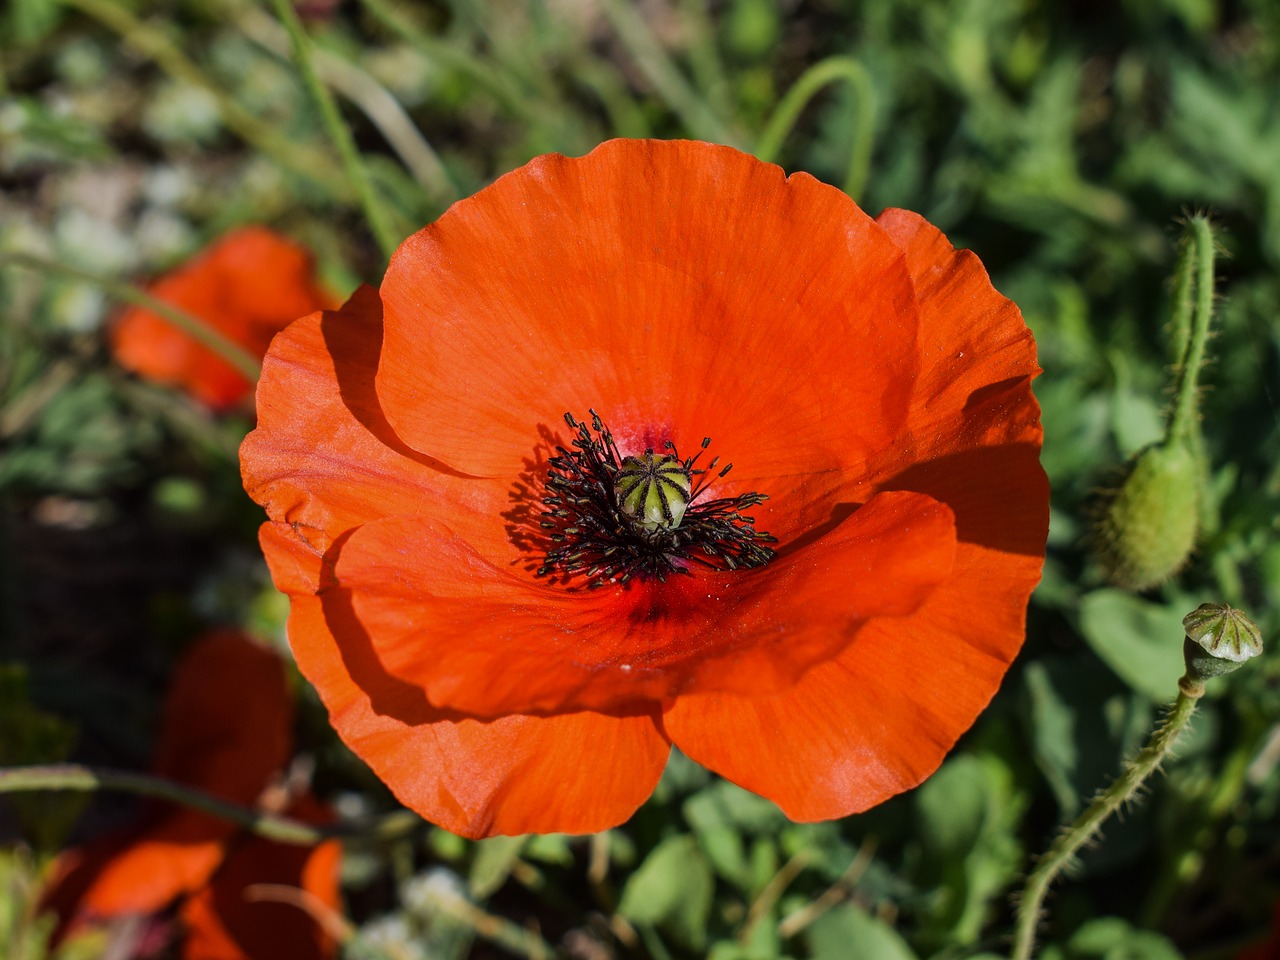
(1069, 842)
(1197, 255)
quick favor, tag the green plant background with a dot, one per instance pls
(1061, 141)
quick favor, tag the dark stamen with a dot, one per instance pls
(594, 536)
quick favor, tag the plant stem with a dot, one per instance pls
(377, 103)
(71, 776)
(1184, 285)
(339, 132)
(153, 43)
(1064, 849)
(653, 61)
(1186, 405)
(196, 328)
(803, 90)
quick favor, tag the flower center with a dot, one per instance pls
(611, 518)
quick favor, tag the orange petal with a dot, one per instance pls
(973, 434)
(268, 900)
(681, 289)
(877, 719)
(323, 458)
(483, 641)
(152, 347)
(574, 773)
(226, 729)
(138, 870)
(880, 718)
(228, 718)
(247, 286)
(977, 355)
(162, 862)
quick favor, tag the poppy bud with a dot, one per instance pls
(1219, 640)
(654, 491)
(1149, 525)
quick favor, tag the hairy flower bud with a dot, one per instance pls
(1149, 525)
(1219, 640)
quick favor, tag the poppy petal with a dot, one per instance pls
(973, 430)
(159, 864)
(228, 718)
(869, 724)
(239, 917)
(247, 285)
(971, 335)
(227, 729)
(323, 457)
(483, 641)
(650, 280)
(574, 773)
(880, 718)
(138, 870)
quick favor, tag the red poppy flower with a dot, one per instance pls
(249, 285)
(500, 607)
(227, 730)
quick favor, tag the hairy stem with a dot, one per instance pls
(1068, 844)
(1183, 419)
(1184, 287)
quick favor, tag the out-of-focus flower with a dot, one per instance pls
(1269, 949)
(512, 633)
(249, 285)
(226, 730)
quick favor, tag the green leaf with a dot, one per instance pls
(727, 853)
(494, 860)
(673, 889)
(725, 804)
(833, 936)
(720, 815)
(1110, 938)
(1141, 641)
(31, 735)
(30, 21)
(549, 848)
(1082, 722)
(968, 814)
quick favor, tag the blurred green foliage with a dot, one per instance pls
(1060, 141)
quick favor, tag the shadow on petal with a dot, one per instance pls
(356, 347)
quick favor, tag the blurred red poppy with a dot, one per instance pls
(1270, 948)
(226, 730)
(249, 285)
(511, 615)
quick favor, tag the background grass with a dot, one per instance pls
(1060, 141)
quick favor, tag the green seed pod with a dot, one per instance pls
(654, 491)
(1148, 528)
(1219, 640)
